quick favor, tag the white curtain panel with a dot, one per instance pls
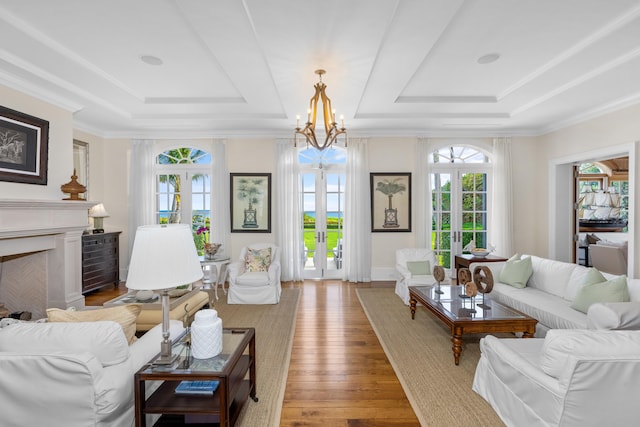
(220, 213)
(140, 186)
(357, 221)
(422, 194)
(288, 212)
(502, 191)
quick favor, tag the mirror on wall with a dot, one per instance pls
(81, 163)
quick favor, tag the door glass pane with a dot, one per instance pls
(334, 215)
(441, 226)
(168, 199)
(474, 212)
(201, 210)
(309, 220)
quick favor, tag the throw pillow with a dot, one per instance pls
(614, 290)
(125, 315)
(516, 271)
(419, 268)
(258, 259)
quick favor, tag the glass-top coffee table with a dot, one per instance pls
(469, 315)
(234, 368)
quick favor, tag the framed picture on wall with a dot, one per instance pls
(390, 201)
(251, 203)
(24, 147)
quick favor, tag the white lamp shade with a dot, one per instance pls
(163, 257)
(98, 211)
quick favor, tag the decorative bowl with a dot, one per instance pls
(480, 252)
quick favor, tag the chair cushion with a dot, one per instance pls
(104, 339)
(614, 290)
(614, 316)
(419, 268)
(125, 315)
(258, 259)
(516, 271)
(252, 278)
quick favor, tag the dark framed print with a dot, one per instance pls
(390, 201)
(24, 147)
(251, 203)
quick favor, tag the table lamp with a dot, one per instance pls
(163, 257)
(98, 212)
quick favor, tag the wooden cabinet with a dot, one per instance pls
(100, 260)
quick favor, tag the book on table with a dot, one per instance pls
(197, 387)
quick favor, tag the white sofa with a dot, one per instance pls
(549, 293)
(571, 377)
(72, 374)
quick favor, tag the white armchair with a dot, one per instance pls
(411, 264)
(572, 377)
(255, 277)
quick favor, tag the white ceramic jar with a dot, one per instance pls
(206, 334)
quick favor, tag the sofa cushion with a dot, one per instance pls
(516, 271)
(105, 339)
(125, 315)
(576, 281)
(562, 347)
(552, 312)
(614, 316)
(614, 290)
(550, 275)
(419, 268)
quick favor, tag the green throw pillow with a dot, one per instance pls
(614, 290)
(419, 268)
(516, 271)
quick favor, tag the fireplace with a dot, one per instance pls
(41, 254)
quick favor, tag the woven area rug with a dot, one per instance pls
(275, 326)
(420, 352)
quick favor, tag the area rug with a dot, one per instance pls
(275, 326)
(420, 352)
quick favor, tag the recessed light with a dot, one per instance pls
(151, 60)
(488, 58)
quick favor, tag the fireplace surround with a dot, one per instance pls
(41, 254)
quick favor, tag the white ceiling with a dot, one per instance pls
(394, 67)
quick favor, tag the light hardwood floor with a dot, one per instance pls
(339, 374)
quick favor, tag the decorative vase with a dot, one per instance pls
(206, 334)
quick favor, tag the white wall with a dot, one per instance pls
(613, 133)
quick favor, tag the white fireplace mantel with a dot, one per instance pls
(51, 227)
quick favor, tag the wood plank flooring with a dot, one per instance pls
(339, 374)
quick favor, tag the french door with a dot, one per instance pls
(323, 206)
(460, 201)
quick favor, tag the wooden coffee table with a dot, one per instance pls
(469, 315)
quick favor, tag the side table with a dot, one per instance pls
(234, 368)
(215, 273)
(465, 260)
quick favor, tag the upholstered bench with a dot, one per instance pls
(181, 308)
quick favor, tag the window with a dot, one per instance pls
(183, 190)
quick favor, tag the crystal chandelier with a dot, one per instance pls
(330, 126)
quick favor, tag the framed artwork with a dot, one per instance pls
(251, 203)
(390, 201)
(24, 147)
